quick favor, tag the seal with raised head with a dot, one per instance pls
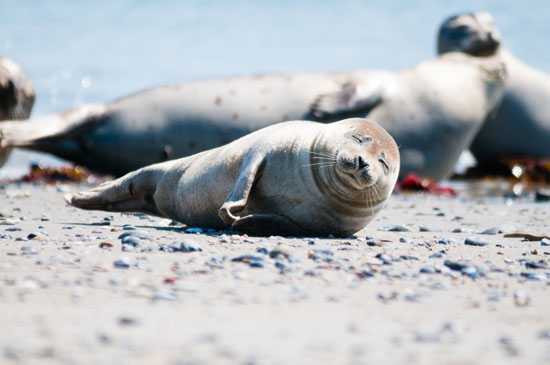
(433, 110)
(16, 96)
(295, 179)
(520, 124)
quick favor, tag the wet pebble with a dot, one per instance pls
(475, 241)
(403, 240)
(545, 242)
(395, 228)
(128, 227)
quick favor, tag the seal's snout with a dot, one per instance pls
(362, 163)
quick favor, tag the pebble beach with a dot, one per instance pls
(431, 280)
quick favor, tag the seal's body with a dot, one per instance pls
(520, 124)
(294, 178)
(434, 109)
(16, 96)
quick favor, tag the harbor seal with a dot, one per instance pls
(520, 124)
(16, 96)
(433, 110)
(296, 178)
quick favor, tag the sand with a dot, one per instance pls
(317, 301)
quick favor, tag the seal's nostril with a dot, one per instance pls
(362, 163)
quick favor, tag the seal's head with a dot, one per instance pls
(471, 33)
(365, 160)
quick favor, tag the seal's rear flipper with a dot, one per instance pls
(131, 193)
(353, 99)
(51, 128)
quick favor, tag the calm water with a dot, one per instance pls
(79, 53)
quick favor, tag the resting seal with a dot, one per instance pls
(296, 178)
(520, 124)
(16, 96)
(433, 110)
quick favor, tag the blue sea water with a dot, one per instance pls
(80, 52)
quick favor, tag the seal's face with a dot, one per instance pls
(367, 157)
(474, 34)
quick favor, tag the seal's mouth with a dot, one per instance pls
(362, 179)
(484, 48)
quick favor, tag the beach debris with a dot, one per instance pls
(528, 236)
(106, 244)
(40, 174)
(413, 182)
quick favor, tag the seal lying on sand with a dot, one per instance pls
(296, 178)
(520, 125)
(433, 110)
(16, 96)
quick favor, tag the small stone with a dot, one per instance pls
(403, 240)
(132, 241)
(470, 271)
(538, 276)
(474, 241)
(128, 227)
(428, 270)
(454, 265)
(186, 245)
(142, 235)
(386, 260)
(395, 228)
(123, 263)
(194, 230)
(428, 229)
(106, 244)
(521, 298)
(545, 242)
(127, 321)
(492, 231)
(13, 229)
(248, 258)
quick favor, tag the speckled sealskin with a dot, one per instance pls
(296, 178)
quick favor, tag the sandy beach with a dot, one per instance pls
(73, 291)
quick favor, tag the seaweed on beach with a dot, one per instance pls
(50, 175)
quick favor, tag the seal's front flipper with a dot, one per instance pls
(268, 225)
(131, 193)
(352, 100)
(236, 201)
